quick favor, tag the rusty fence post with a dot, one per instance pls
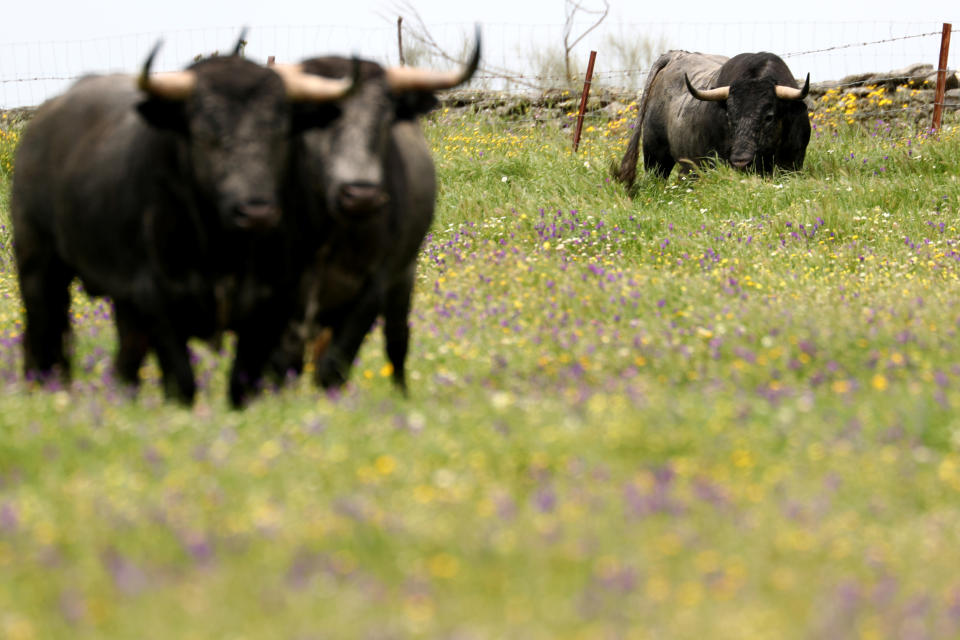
(583, 101)
(938, 99)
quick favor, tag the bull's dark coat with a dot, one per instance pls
(366, 186)
(753, 128)
(148, 201)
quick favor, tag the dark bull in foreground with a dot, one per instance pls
(366, 187)
(747, 110)
(149, 191)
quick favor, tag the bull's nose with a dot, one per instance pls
(741, 163)
(361, 197)
(256, 214)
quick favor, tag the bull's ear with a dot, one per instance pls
(164, 114)
(411, 104)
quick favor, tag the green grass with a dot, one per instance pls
(715, 408)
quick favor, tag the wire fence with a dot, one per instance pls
(516, 58)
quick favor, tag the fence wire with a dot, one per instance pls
(517, 58)
(859, 44)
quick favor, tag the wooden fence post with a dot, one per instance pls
(583, 101)
(941, 77)
(403, 63)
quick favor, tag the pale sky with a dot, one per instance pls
(57, 41)
(44, 20)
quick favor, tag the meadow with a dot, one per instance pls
(723, 407)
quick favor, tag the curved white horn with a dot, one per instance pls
(410, 79)
(307, 87)
(175, 85)
(709, 95)
(789, 93)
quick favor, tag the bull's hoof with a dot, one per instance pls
(284, 368)
(242, 390)
(238, 396)
(180, 392)
(400, 382)
(328, 375)
(57, 374)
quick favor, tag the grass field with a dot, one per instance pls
(714, 408)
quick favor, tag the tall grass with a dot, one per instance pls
(719, 407)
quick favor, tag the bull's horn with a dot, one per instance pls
(241, 42)
(408, 79)
(789, 93)
(307, 87)
(710, 95)
(176, 85)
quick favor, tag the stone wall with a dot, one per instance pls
(912, 86)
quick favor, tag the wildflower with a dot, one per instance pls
(444, 566)
(385, 464)
(879, 382)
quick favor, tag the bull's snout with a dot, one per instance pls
(741, 163)
(256, 214)
(361, 197)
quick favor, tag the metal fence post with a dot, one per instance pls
(583, 101)
(941, 77)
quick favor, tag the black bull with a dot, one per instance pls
(366, 186)
(746, 110)
(150, 191)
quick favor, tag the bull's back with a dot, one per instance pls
(62, 139)
(687, 122)
(63, 125)
(665, 89)
(78, 183)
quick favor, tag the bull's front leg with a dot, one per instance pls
(349, 330)
(259, 340)
(286, 361)
(44, 287)
(396, 329)
(174, 356)
(133, 343)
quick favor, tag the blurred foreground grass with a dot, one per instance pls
(723, 407)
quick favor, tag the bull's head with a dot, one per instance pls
(754, 111)
(346, 160)
(235, 117)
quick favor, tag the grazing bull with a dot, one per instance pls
(366, 185)
(754, 116)
(150, 190)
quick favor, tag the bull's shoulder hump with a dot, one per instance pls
(107, 93)
(673, 63)
(701, 68)
(104, 84)
(695, 61)
(89, 100)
